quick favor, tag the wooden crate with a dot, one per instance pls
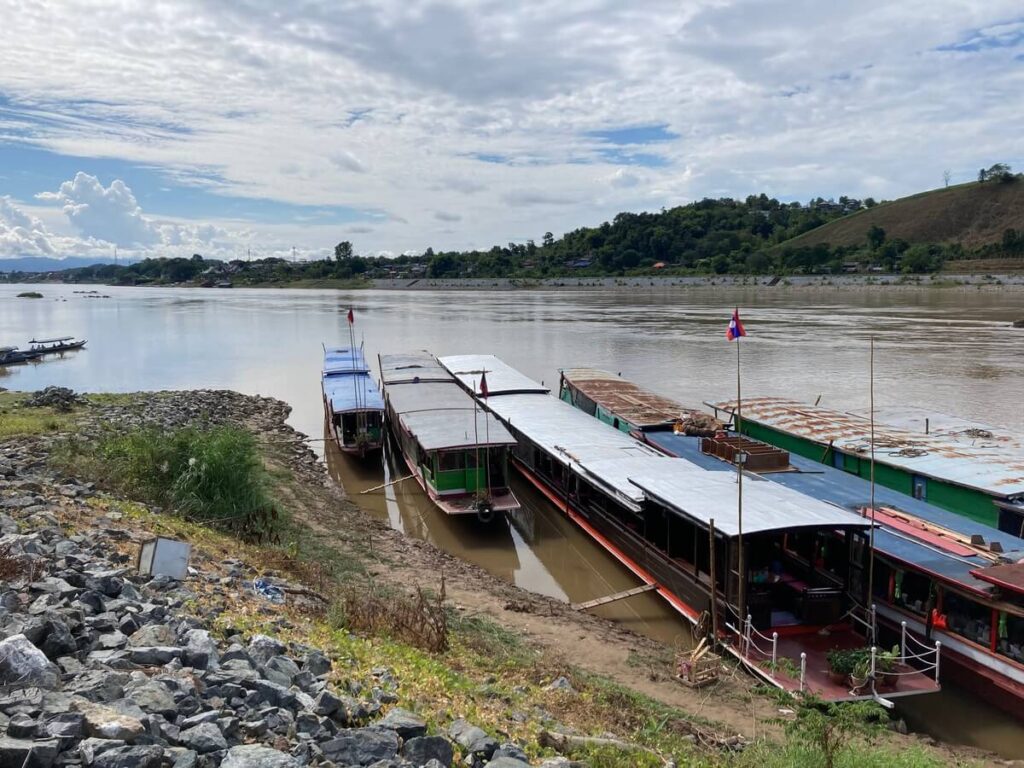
(698, 673)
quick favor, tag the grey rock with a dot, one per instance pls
(23, 664)
(561, 684)
(186, 759)
(57, 640)
(153, 634)
(253, 756)
(471, 738)
(326, 703)
(154, 655)
(89, 748)
(112, 640)
(262, 648)
(52, 585)
(280, 670)
(361, 746)
(200, 650)
(27, 753)
(105, 722)
(209, 716)
(507, 762)
(130, 757)
(22, 726)
(69, 727)
(203, 738)
(316, 663)
(406, 724)
(152, 696)
(423, 749)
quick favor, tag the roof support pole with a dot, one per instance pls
(741, 602)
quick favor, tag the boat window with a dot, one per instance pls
(1010, 631)
(449, 461)
(884, 581)
(911, 590)
(496, 469)
(967, 618)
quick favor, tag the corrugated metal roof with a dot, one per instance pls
(440, 414)
(347, 383)
(991, 461)
(705, 495)
(502, 379)
(625, 399)
(410, 366)
(342, 360)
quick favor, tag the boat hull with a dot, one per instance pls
(361, 450)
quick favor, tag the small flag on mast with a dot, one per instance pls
(351, 317)
(736, 328)
(483, 385)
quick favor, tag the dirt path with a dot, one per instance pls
(591, 643)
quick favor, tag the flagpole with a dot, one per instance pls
(741, 599)
(487, 448)
(360, 416)
(871, 547)
(476, 440)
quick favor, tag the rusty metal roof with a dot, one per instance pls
(625, 399)
(971, 455)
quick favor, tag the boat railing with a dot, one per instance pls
(912, 649)
(870, 624)
(748, 638)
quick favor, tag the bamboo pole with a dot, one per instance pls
(714, 583)
(871, 546)
(742, 594)
(384, 485)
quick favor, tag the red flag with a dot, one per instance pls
(483, 386)
(351, 317)
(736, 328)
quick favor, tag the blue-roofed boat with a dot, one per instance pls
(675, 525)
(938, 576)
(353, 405)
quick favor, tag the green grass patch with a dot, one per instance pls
(17, 420)
(214, 477)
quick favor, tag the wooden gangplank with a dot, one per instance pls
(613, 598)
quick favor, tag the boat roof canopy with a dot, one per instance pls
(963, 453)
(339, 361)
(411, 366)
(352, 393)
(1009, 576)
(625, 399)
(705, 495)
(502, 379)
(51, 341)
(8, 349)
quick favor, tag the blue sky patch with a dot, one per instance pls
(975, 40)
(640, 134)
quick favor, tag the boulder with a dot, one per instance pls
(203, 738)
(263, 648)
(280, 670)
(152, 696)
(316, 663)
(473, 739)
(104, 722)
(130, 757)
(200, 650)
(57, 640)
(153, 634)
(89, 748)
(21, 663)
(253, 756)
(507, 762)
(27, 753)
(422, 749)
(361, 746)
(406, 724)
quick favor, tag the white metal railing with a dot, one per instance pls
(870, 624)
(928, 656)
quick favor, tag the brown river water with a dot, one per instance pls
(948, 350)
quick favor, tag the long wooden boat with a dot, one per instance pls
(926, 559)
(457, 452)
(52, 346)
(14, 356)
(674, 524)
(353, 406)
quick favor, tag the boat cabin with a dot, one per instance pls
(353, 406)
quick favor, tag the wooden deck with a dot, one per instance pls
(817, 680)
(614, 597)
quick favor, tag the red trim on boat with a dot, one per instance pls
(563, 504)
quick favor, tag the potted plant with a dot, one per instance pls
(861, 672)
(885, 665)
(840, 664)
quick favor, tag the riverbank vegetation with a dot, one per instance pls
(953, 227)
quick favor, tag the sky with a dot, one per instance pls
(229, 127)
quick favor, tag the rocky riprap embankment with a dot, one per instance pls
(101, 666)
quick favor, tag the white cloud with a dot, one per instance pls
(484, 109)
(21, 234)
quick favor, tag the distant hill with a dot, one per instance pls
(43, 264)
(973, 215)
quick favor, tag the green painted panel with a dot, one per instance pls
(964, 501)
(851, 463)
(450, 480)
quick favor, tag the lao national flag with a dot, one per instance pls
(351, 317)
(483, 386)
(735, 327)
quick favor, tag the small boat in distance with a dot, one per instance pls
(353, 407)
(457, 452)
(13, 355)
(61, 344)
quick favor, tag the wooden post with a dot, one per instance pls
(714, 583)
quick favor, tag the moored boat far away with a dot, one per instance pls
(937, 576)
(799, 602)
(353, 406)
(59, 344)
(456, 451)
(14, 355)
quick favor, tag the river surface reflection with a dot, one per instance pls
(948, 350)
